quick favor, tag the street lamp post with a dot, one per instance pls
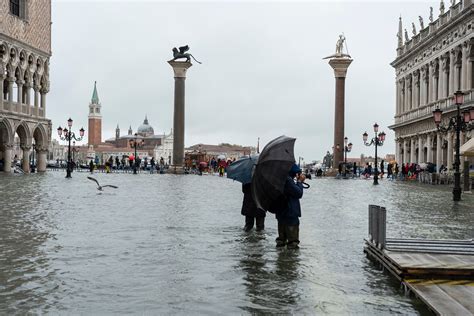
(377, 141)
(68, 136)
(458, 123)
(347, 149)
(135, 142)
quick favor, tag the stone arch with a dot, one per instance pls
(24, 133)
(40, 136)
(4, 56)
(6, 132)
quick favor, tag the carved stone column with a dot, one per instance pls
(420, 150)
(19, 84)
(340, 66)
(397, 150)
(452, 58)
(25, 163)
(36, 89)
(7, 158)
(416, 87)
(401, 82)
(439, 156)
(2, 77)
(179, 69)
(424, 87)
(464, 73)
(449, 163)
(429, 146)
(41, 162)
(444, 77)
(405, 150)
(10, 80)
(397, 100)
(410, 93)
(412, 150)
(431, 83)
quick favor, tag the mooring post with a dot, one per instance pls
(382, 231)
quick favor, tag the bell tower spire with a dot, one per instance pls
(95, 119)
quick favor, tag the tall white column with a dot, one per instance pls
(42, 155)
(439, 157)
(43, 102)
(10, 93)
(19, 84)
(420, 150)
(397, 101)
(431, 83)
(422, 87)
(449, 163)
(402, 96)
(397, 150)
(469, 73)
(405, 151)
(457, 70)
(26, 159)
(452, 75)
(429, 153)
(464, 68)
(412, 151)
(36, 98)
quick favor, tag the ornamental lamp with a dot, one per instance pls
(69, 122)
(467, 116)
(437, 116)
(60, 131)
(458, 97)
(81, 131)
(365, 136)
(349, 146)
(345, 141)
(376, 127)
(65, 132)
(382, 136)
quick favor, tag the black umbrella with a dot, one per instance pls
(271, 172)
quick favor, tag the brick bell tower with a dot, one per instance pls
(95, 119)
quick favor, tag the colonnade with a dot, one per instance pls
(436, 79)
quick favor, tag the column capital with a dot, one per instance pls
(340, 66)
(25, 147)
(180, 68)
(41, 149)
(20, 82)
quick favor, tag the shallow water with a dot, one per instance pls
(174, 244)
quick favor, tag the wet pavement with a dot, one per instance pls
(175, 244)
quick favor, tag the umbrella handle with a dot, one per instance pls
(305, 185)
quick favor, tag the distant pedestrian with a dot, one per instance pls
(152, 164)
(250, 211)
(91, 166)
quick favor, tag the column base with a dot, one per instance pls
(176, 169)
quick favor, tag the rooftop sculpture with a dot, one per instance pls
(181, 53)
(339, 49)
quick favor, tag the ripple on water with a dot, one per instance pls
(168, 244)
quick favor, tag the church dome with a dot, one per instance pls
(145, 129)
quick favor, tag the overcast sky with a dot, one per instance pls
(262, 72)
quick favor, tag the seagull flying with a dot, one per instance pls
(100, 187)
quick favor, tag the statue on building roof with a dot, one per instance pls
(441, 8)
(406, 36)
(431, 14)
(422, 24)
(453, 2)
(413, 28)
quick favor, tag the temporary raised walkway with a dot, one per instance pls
(439, 272)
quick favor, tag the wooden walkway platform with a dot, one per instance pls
(439, 272)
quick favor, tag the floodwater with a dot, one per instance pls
(175, 245)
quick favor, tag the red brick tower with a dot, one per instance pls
(95, 119)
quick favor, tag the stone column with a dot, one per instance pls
(19, 84)
(340, 66)
(416, 94)
(402, 96)
(420, 150)
(464, 67)
(25, 163)
(179, 69)
(397, 150)
(449, 163)
(469, 74)
(405, 151)
(36, 89)
(397, 100)
(429, 151)
(424, 85)
(7, 158)
(452, 57)
(431, 83)
(410, 94)
(41, 159)
(457, 69)
(2, 77)
(43, 101)
(412, 150)
(439, 156)
(10, 93)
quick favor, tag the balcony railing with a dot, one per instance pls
(21, 108)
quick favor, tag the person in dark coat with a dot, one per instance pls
(250, 210)
(91, 166)
(288, 219)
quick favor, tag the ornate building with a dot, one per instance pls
(25, 49)
(430, 66)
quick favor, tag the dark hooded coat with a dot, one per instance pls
(249, 208)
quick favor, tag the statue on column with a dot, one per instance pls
(413, 28)
(339, 48)
(441, 8)
(181, 53)
(406, 36)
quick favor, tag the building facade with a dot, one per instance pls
(430, 66)
(25, 49)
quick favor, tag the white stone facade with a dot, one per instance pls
(430, 67)
(165, 150)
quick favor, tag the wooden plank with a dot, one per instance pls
(463, 294)
(443, 261)
(438, 300)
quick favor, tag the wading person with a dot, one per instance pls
(250, 210)
(288, 218)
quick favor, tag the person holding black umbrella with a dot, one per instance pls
(288, 219)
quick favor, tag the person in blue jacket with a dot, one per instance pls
(288, 219)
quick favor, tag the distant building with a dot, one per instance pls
(227, 150)
(165, 149)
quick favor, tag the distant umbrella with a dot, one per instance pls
(241, 169)
(271, 171)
